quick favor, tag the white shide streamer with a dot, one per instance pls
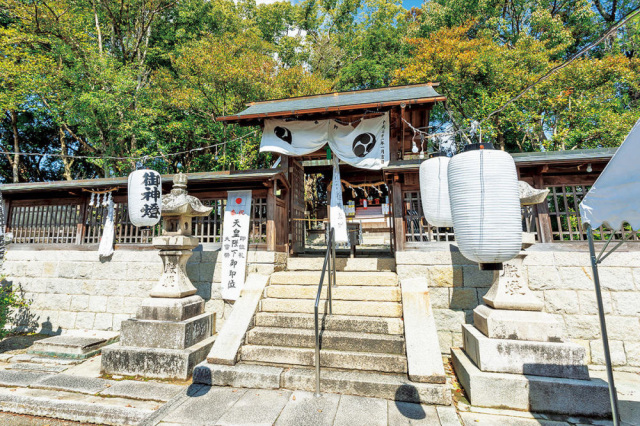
(106, 242)
(434, 191)
(485, 205)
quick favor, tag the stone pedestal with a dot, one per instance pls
(167, 339)
(515, 355)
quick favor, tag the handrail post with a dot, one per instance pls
(330, 264)
(317, 353)
(333, 254)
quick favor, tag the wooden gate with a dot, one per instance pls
(297, 206)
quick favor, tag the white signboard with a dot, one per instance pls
(365, 146)
(235, 241)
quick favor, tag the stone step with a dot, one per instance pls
(331, 322)
(75, 346)
(362, 293)
(388, 386)
(379, 278)
(386, 363)
(340, 307)
(336, 340)
(76, 407)
(342, 264)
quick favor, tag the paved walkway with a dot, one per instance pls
(76, 392)
(204, 405)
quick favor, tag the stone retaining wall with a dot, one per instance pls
(72, 289)
(561, 276)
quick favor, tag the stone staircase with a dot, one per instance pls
(363, 349)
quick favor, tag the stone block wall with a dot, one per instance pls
(561, 276)
(72, 289)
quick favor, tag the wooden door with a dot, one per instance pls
(297, 206)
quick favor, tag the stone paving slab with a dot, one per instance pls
(475, 419)
(304, 409)
(75, 407)
(55, 361)
(448, 416)
(361, 411)
(206, 406)
(13, 378)
(256, 407)
(26, 366)
(406, 413)
(142, 390)
(65, 382)
(72, 346)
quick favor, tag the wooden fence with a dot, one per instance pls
(57, 222)
(563, 215)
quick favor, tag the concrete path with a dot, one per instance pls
(204, 405)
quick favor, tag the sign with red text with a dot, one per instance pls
(235, 241)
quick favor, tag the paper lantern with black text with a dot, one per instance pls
(145, 197)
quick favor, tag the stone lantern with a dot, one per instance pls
(176, 242)
(171, 333)
(515, 356)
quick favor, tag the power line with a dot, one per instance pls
(557, 68)
(131, 158)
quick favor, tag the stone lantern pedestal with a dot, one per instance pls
(171, 333)
(515, 355)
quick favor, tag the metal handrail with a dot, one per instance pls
(330, 262)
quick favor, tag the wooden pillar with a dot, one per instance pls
(545, 234)
(398, 213)
(7, 214)
(271, 217)
(82, 221)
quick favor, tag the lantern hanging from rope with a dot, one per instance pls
(485, 205)
(145, 197)
(434, 191)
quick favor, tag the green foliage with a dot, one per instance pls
(10, 301)
(148, 77)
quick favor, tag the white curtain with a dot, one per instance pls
(365, 146)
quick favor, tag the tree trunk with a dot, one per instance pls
(16, 146)
(66, 161)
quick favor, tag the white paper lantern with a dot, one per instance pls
(434, 191)
(145, 197)
(485, 204)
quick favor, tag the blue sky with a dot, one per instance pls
(408, 4)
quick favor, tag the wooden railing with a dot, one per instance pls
(58, 222)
